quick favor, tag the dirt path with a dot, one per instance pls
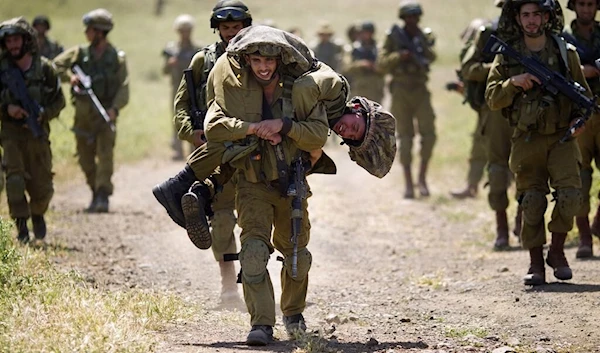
(388, 275)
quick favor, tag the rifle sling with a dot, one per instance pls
(282, 167)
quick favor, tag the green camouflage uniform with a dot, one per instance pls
(411, 100)
(95, 139)
(28, 160)
(184, 56)
(49, 48)
(589, 139)
(538, 158)
(494, 127)
(364, 81)
(223, 221)
(260, 204)
(330, 53)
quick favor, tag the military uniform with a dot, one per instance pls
(411, 100)
(330, 52)
(364, 77)
(49, 48)
(27, 159)
(95, 138)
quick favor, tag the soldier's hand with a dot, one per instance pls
(112, 114)
(315, 155)
(199, 138)
(16, 112)
(266, 128)
(274, 139)
(525, 81)
(172, 61)
(74, 81)
(405, 54)
(590, 71)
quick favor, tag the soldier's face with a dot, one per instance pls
(586, 10)
(41, 29)
(228, 30)
(263, 67)
(532, 20)
(351, 126)
(14, 44)
(185, 34)
(411, 20)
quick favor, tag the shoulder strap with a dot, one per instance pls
(286, 101)
(562, 49)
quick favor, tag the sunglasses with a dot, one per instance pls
(232, 13)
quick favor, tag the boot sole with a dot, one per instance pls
(534, 281)
(195, 221)
(164, 201)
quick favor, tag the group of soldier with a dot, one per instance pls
(257, 105)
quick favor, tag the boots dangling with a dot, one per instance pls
(194, 205)
(409, 193)
(501, 242)
(423, 188)
(536, 275)
(169, 193)
(556, 257)
(584, 250)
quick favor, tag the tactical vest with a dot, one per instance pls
(364, 52)
(103, 72)
(538, 110)
(211, 54)
(34, 80)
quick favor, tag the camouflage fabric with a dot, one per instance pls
(19, 25)
(408, 8)
(377, 151)
(509, 29)
(99, 19)
(269, 41)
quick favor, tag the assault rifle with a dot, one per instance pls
(12, 78)
(552, 82)
(410, 45)
(86, 82)
(196, 115)
(299, 191)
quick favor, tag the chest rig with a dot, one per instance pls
(103, 72)
(34, 80)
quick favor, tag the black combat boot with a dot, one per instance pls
(409, 193)
(469, 192)
(92, 207)
(294, 324)
(193, 205)
(536, 276)
(39, 226)
(584, 250)
(556, 257)
(102, 201)
(260, 335)
(23, 231)
(423, 188)
(169, 193)
(596, 223)
(501, 242)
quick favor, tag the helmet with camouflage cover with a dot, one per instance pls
(367, 26)
(376, 152)
(508, 28)
(15, 26)
(409, 8)
(230, 10)
(41, 20)
(99, 19)
(571, 5)
(183, 22)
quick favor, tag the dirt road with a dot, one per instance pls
(388, 275)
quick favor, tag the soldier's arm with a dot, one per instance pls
(181, 119)
(122, 97)
(428, 49)
(500, 91)
(63, 63)
(53, 97)
(389, 58)
(472, 67)
(310, 127)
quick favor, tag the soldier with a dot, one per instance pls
(541, 119)
(364, 77)
(327, 49)
(228, 18)
(496, 131)
(48, 48)
(406, 55)
(178, 56)
(28, 159)
(586, 34)
(106, 66)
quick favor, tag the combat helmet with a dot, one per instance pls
(183, 22)
(408, 8)
(41, 20)
(367, 26)
(19, 25)
(230, 10)
(99, 19)
(376, 152)
(571, 5)
(508, 28)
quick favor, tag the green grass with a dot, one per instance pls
(461, 332)
(42, 309)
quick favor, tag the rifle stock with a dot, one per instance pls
(12, 78)
(196, 115)
(298, 191)
(86, 82)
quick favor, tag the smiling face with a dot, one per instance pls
(351, 126)
(263, 67)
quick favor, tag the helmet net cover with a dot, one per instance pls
(19, 25)
(509, 29)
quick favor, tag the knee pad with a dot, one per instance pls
(253, 260)
(223, 223)
(534, 205)
(15, 187)
(569, 202)
(499, 177)
(304, 264)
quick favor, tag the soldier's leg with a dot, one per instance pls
(294, 289)
(403, 112)
(563, 165)
(426, 122)
(86, 156)
(105, 145)
(595, 126)
(255, 212)
(586, 146)
(39, 186)
(15, 185)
